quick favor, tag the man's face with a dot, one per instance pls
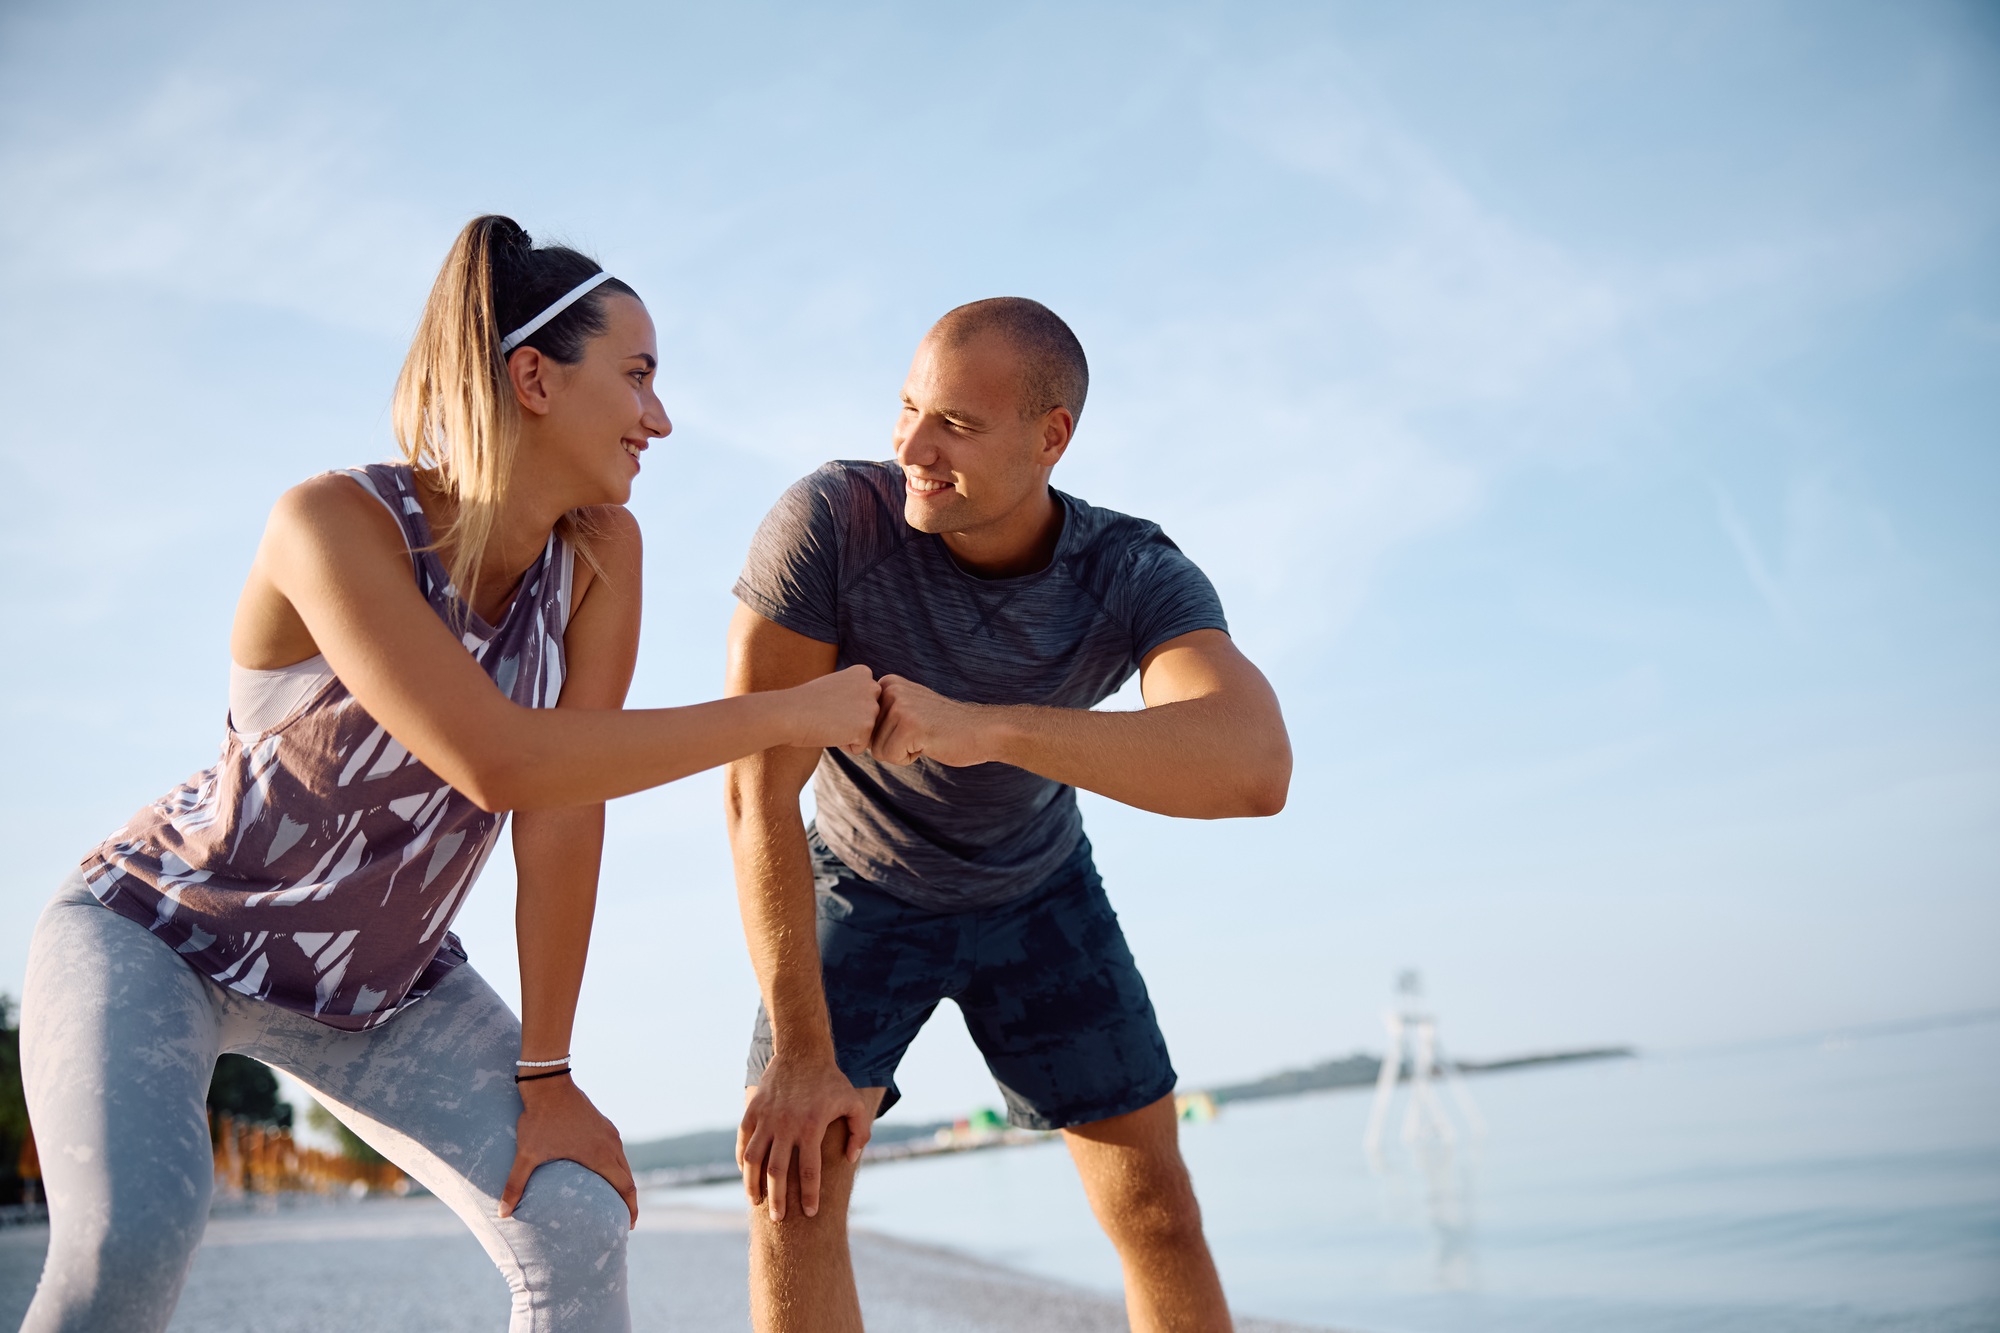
(969, 458)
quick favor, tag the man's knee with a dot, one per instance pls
(1160, 1219)
(828, 1225)
(1143, 1196)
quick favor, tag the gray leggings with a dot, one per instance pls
(119, 1038)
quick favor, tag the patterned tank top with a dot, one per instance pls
(318, 865)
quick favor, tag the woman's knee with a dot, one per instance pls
(572, 1227)
(121, 1267)
(152, 1242)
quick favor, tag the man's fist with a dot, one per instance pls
(915, 723)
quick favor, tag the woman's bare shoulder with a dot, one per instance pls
(325, 530)
(616, 548)
(334, 500)
(614, 524)
(331, 524)
(620, 544)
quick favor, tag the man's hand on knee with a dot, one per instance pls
(786, 1119)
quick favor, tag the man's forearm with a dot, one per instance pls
(774, 891)
(1200, 758)
(1210, 744)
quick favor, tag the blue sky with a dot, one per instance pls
(1588, 414)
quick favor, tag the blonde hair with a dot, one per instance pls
(454, 412)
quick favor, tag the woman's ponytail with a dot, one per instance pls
(454, 412)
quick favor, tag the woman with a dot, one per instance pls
(420, 648)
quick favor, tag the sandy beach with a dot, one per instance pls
(407, 1263)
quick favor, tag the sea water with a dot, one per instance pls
(1841, 1183)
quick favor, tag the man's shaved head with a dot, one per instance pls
(1054, 371)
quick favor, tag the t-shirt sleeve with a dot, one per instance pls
(1167, 596)
(792, 575)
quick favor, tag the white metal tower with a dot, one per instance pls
(1413, 1040)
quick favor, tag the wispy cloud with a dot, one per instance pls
(1755, 567)
(225, 190)
(1313, 386)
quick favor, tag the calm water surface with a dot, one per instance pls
(1840, 1184)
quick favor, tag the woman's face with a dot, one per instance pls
(601, 413)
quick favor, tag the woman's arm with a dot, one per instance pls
(556, 854)
(556, 858)
(333, 561)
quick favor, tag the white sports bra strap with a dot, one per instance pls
(367, 483)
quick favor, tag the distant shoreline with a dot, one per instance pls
(707, 1156)
(1361, 1069)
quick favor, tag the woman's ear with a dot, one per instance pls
(529, 372)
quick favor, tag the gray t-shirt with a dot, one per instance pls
(835, 561)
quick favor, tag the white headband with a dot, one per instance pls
(563, 302)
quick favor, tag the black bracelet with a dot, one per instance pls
(530, 1078)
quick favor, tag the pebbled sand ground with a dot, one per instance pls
(407, 1263)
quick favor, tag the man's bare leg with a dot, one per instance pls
(801, 1277)
(1139, 1188)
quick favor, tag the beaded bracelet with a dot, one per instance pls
(530, 1078)
(541, 1064)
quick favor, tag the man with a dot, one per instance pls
(949, 861)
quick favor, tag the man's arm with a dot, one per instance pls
(1209, 744)
(803, 1091)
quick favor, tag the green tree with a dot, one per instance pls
(246, 1089)
(352, 1145)
(13, 1103)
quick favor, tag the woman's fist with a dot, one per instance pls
(836, 710)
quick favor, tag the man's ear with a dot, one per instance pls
(528, 370)
(1057, 426)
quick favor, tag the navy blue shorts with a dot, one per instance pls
(1047, 985)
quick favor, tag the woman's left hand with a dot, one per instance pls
(559, 1124)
